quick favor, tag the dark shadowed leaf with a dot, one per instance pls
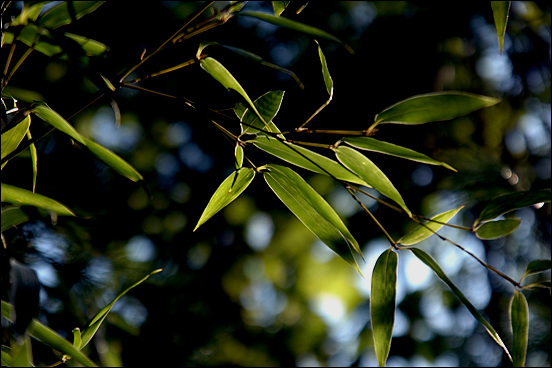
(429, 261)
(537, 266)
(497, 229)
(500, 14)
(312, 210)
(435, 106)
(22, 197)
(370, 173)
(382, 303)
(423, 232)
(519, 318)
(229, 190)
(509, 202)
(66, 12)
(13, 216)
(375, 145)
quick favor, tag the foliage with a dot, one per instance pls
(342, 157)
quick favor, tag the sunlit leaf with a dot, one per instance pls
(382, 303)
(33, 37)
(375, 145)
(22, 197)
(509, 202)
(326, 73)
(423, 232)
(306, 159)
(497, 229)
(238, 152)
(13, 216)
(43, 111)
(91, 328)
(435, 106)
(370, 173)
(223, 76)
(22, 355)
(500, 14)
(229, 190)
(312, 210)
(90, 47)
(537, 266)
(519, 317)
(279, 7)
(11, 138)
(49, 337)
(34, 159)
(29, 13)
(296, 26)
(429, 261)
(268, 106)
(66, 12)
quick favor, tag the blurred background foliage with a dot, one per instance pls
(252, 286)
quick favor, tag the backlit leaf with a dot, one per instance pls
(230, 189)
(375, 145)
(43, 111)
(519, 318)
(326, 73)
(312, 210)
(423, 232)
(11, 138)
(279, 7)
(268, 106)
(22, 197)
(497, 229)
(66, 12)
(435, 106)
(429, 261)
(90, 47)
(13, 216)
(382, 303)
(537, 266)
(500, 14)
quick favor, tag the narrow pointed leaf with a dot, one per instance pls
(375, 145)
(279, 7)
(268, 106)
(238, 152)
(509, 202)
(22, 197)
(519, 318)
(537, 266)
(296, 26)
(423, 232)
(11, 138)
(370, 173)
(44, 112)
(382, 303)
(431, 263)
(223, 76)
(62, 14)
(22, 355)
(13, 216)
(95, 323)
(89, 46)
(306, 159)
(229, 190)
(435, 106)
(500, 14)
(497, 229)
(326, 73)
(34, 159)
(312, 210)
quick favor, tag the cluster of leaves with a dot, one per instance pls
(351, 167)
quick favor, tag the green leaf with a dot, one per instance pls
(22, 197)
(370, 173)
(429, 261)
(497, 229)
(90, 47)
(279, 7)
(296, 26)
(22, 355)
(423, 232)
(11, 138)
(43, 111)
(66, 12)
(509, 202)
(306, 159)
(29, 12)
(30, 35)
(537, 266)
(230, 189)
(268, 106)
(223, 76)
(382, 303)
(326, 73)
(436, 106)
(49, 337)
(519, 317)
(238, 152)
(13, 216)
(500, 14)
(95, 323)
(312, 210)
(375, 145)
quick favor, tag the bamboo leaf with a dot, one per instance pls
(375, 145)
(431, 263)
(66, 12)
(306, 159)
(519, 318)
(238, 152)
(22, 197)
(312, 210)
(537, 266)
(90, 47)
(435, 106)
(508, 202)
(326, 73)
(500, 14)
(13, 216)
(382, 303)
(11, 138)
(268, 106)
(43, 111)
(229, 190)
(279, 7)
(370, 173)
(423, 232)
(90, 330)
(497, 229)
